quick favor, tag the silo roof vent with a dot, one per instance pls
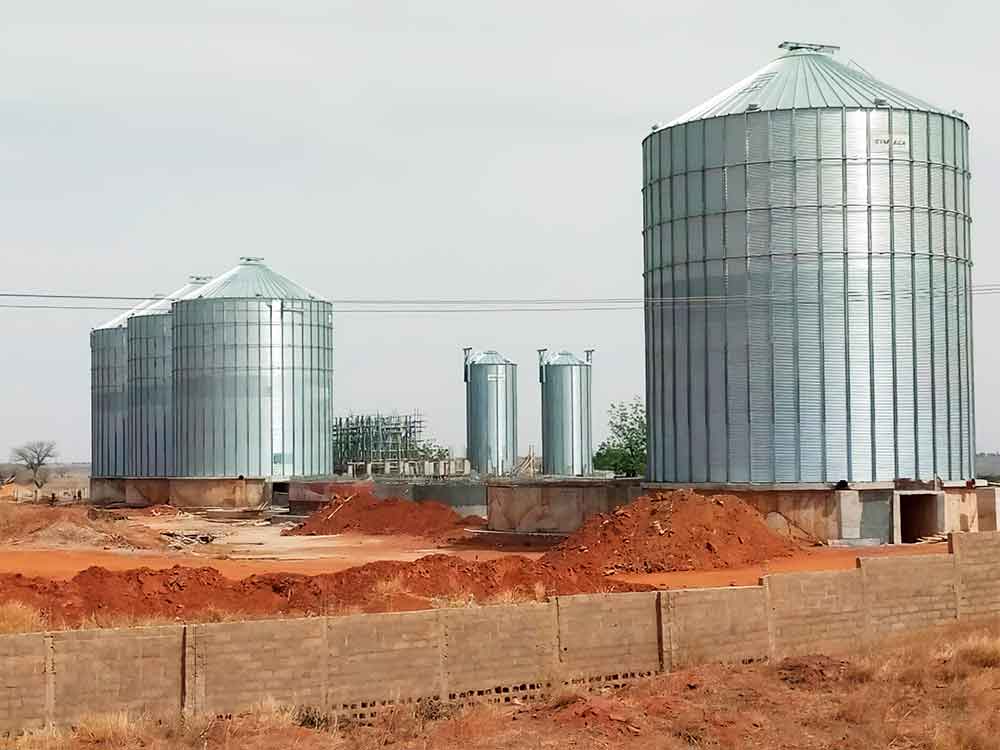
(827, 49)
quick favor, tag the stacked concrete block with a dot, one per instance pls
(232, 666)
(24, 682)
(608, 638)
(136, 670)
(816, 612)
(707, 625)
(499, 653)
(376, 660)
(908, 593)
(978, 559)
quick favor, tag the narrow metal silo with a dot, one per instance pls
(567, 445)
(109, 395)
(150, 443)
(253, 377)
(807, 277)
(491, 412)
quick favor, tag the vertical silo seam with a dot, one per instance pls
(705, 308)
(796, 321)
(892, 296)
(845, 250)
(873, 437)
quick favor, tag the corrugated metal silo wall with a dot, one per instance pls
(150, 396)
(823, 328)
(253, 387)
(108, 402)
(491, 417)
(567, 445)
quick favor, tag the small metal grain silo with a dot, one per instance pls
(253, 377)
(567, 444)
(491, 412)
(808, 282)
(150, 443)
(109, 395)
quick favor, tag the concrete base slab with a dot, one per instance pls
(183, 492)
(869, 542)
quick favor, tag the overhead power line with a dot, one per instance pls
(51, 301)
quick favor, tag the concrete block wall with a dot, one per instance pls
(705, 625)
(978, 561)
(355, 665)
(365, 654)
(908, 593)
(500, 652)
(810, 612)
(609, 638)
(24, 683)
(137, 670)
(232, 665)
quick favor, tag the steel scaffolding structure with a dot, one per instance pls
(377, 438)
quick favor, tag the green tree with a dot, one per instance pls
(624, 452)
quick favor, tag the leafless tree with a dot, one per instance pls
(33, 456)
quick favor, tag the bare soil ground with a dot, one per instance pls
(74, 566)
(935, 690)
(70, 527)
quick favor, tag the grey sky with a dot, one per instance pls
(385, 149)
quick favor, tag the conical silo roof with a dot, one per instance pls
(488, 357)
(121, 320)
(563, 358)
(163, 305)
(805, 76)
(251, 278)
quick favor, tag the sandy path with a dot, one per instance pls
(330, 555)
(811, 559)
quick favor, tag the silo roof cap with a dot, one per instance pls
(488, 357)
(564, 358)
(806, 76)
(253, 279)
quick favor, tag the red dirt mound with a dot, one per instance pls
(365, 514)
(669, 531)
(203, 593)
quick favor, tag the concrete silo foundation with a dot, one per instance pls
(183, 492)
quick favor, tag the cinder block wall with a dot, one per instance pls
(356, 665)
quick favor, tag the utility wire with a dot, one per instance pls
(581, 304)
(501, 304)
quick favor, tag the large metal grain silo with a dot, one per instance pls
(109, 395)
(253, 377)
(567, 444)
(150, 444)
(491, 412)
(807, 277)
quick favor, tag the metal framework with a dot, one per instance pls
(376, 438)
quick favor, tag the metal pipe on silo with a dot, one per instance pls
(807, 282)
(567, 444)
(491, 411)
